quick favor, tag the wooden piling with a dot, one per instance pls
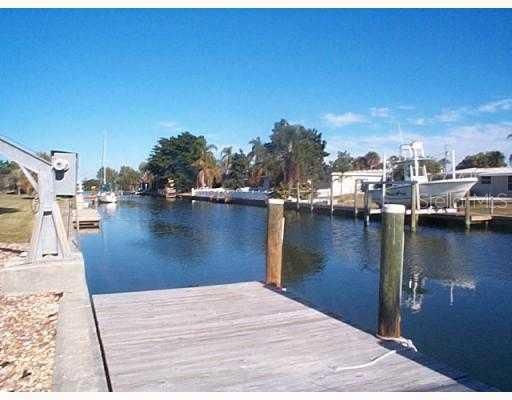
(311, 199)
(331, 195)
(355, 197)
(391, 265)
(467, 213)
(298, 195)
(366, 207)
(414, 205)
(492, 206)
(275, 235)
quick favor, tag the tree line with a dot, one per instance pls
(12, 178)
(126, 179)
(293, 157)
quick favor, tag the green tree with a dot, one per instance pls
(184, 159)
(89, 185)
(258, 151)
(225, 157)
(128, 178)
(298, 154)
(111, 176)
(259, 162)
(433, 166)
(209, 171)
(487, 159)
(238, 173)
(343, 162)
(370, 160)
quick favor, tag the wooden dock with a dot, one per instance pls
(88, 218)
(247, 337)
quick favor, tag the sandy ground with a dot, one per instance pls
(13, 252)
(28, 327)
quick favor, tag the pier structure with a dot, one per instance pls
(255, 336)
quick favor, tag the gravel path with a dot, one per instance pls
(28, 326)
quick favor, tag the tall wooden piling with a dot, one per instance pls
(331, 195)
(414, 206)
(467, 213)
(311, 198)
(298, 195)
(275, 235)
(391, 265)
(366, 207)
(355, 197)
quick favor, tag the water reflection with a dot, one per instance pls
(299, 263)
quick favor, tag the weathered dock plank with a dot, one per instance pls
(87, 218)
(246, 337)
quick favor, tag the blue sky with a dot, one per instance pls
(67, 76)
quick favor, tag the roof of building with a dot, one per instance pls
(361, 172)
(485, 171)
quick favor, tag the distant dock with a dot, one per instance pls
(430, 216)
(86, 218)
(247, 337)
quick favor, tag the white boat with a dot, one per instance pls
(440, 193)
(105, 195)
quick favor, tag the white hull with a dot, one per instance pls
(107, 198)
(442, 193)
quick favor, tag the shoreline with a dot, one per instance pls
(498, 222)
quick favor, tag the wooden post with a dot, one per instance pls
(311, 198)
(366, 207)
(355, 197)
(492, 206)
(331, 196)
(298, 196)
(467, 214)
(414, 206)
(391, 264)
(275, 235)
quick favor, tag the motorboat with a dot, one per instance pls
(411, 168)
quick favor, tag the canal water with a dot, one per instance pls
(457, 286)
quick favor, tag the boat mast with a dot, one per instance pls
(454, 175)
(103, 159)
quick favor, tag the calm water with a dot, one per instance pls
(457, 302)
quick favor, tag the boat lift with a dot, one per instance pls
(48, 235)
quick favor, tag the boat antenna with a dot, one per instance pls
(103, 158)
(400, 133)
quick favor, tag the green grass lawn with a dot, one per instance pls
(16, 218)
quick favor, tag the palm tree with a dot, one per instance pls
(258, 157)
(258, 150)
(225, 156)
(206, 164)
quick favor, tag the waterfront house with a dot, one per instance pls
(491, 181)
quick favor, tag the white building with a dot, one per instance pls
(491, 181)
(345, 182)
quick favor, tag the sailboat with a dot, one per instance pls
(106, 194)
(438, 193)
